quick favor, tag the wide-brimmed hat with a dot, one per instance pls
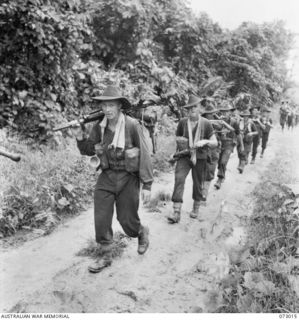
(113, 93)
(245, 113)
(192, 101)
(265, 109)
(254, 107)
(227, 107)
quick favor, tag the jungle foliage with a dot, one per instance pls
(55, 55)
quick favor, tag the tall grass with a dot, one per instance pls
(264, 281)
(44, 185)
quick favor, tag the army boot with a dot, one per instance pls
(195, 211)
(143, 241)
(241, 166)
(218, 183)
(102, 262)
(175, 216)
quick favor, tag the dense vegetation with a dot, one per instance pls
(263, 278)
(54, 55)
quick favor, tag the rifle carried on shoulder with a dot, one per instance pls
(93, 116)
(99, 115)
(11, 156)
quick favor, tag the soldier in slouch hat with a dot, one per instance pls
(125, 161)
(268, 124)
(248, 131)
(228, 140)
(259, 128)
(195, 134)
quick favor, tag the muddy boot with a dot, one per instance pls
(102, 262)
(143, 241)
(218, 183)
(175, 216)
(241, 166)
(195, 211)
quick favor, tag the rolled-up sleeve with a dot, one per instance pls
(145, 163)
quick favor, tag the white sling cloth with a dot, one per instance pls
(192, 143)
(119, 135)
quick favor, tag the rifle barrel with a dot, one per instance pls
(67, 125)
(12, 156)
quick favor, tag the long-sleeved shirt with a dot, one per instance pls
(133, 138)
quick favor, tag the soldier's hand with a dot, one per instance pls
(99, 149)
(200, 143)
(77, 132)
(145, 196)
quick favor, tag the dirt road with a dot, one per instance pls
(184, 261)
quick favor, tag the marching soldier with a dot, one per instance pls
(259, 127)
(195, 134)
(283, 113)
(248, 131)
(267, 122)
(125, 162)
(210, 114)
(290, 118)
(228, 139)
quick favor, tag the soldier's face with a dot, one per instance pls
(111, 109)
(193, 112)
(225, 114)
(246, 119)
(264, 114)
(254, 112)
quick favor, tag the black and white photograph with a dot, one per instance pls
(149, 158)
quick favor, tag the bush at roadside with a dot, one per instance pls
(46, 185)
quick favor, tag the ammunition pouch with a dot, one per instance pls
(132, 159)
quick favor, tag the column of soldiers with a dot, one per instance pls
(289, 115)
(205, 139)
(244, 130)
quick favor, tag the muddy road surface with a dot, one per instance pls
(183, 264)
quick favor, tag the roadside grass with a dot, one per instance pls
(46, 185)
(265, 280)
(93, 250)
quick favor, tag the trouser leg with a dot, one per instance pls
(206, 187)
(183, 167)
(199, 177)
(127, 204)
(103, 214)
(223, 161)
(255, 144)
(265, 138)
(247, 149)
(211, 167)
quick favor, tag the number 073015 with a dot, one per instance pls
(287, 316)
